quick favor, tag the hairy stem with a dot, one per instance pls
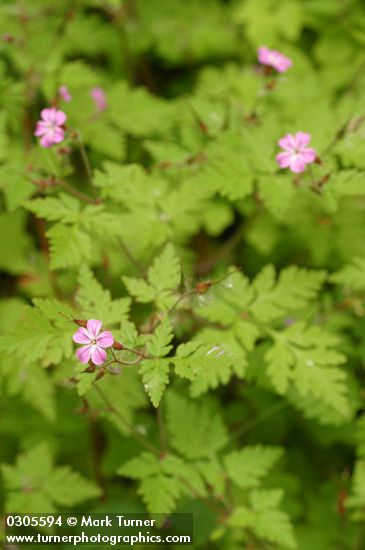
(137, 436)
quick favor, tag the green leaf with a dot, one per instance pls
(31, 382)
(139, 467)
(63, 208)
(17, 245)
(294, 289)
(190, 474)
(270, 523)
(96, 302)
(66, 487)
(247, 467)
(346, 183)
(159, 343)
(209, 364)
(278, 193)
(15, 186)
(160, 493)
(306, 356)
(264, 519)
(226, 300)
(356, 500)
(196, 431)
(163, 277)
(227, 170)
(265, 26)
(280, 360)
(43, 333)
(69, 246)
(352, 275)
(214, 475)
(139, 289)
(155, 372)
(159, 490)
(155, 376)
(142, 113)
(35, 465)
(165, 272)
(33, 481)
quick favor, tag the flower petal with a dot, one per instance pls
(263, 55)
(280, 62)
(94, 326)
(308, 155)
(60, 118)
(297, 164)
(287, 142)
(64, 93)
(83, 354)
(99, 97)
(302, 139)
(41, 128)
(49, 114)
(81, 336)
(284, 159)
(105, 339)
(58, 135)
(47, 140)
(98, 355)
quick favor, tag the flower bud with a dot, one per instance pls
(203, 287)
(244, 315)
(203, 126)
(324, 179)
(118, 346)
(90, 368)
(80, 322)
(64, 150)
(7, 37)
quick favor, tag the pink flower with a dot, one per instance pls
(64, 93)
(50, 127)
(99, 98)
(296, 154)
(95, 342)
(274, 59)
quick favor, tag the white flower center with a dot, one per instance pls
(51, 126)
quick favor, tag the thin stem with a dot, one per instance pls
(119, 362)
(153, 449)
(155, 324)
(132, 258)
(126, 424)
(267, 86)
(267, 413)
(139, 353)
(85, 158)
(229, 245)
(127, 65)
(129, 363)
(338, 136)
(205, 501)
(77, 194)
(192, 293)
(161, 429)
(180, 299)
(260, 94)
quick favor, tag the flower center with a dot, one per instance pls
(51, 126)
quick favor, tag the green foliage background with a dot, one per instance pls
(166, 217)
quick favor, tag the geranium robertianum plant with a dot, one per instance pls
(183, 265)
